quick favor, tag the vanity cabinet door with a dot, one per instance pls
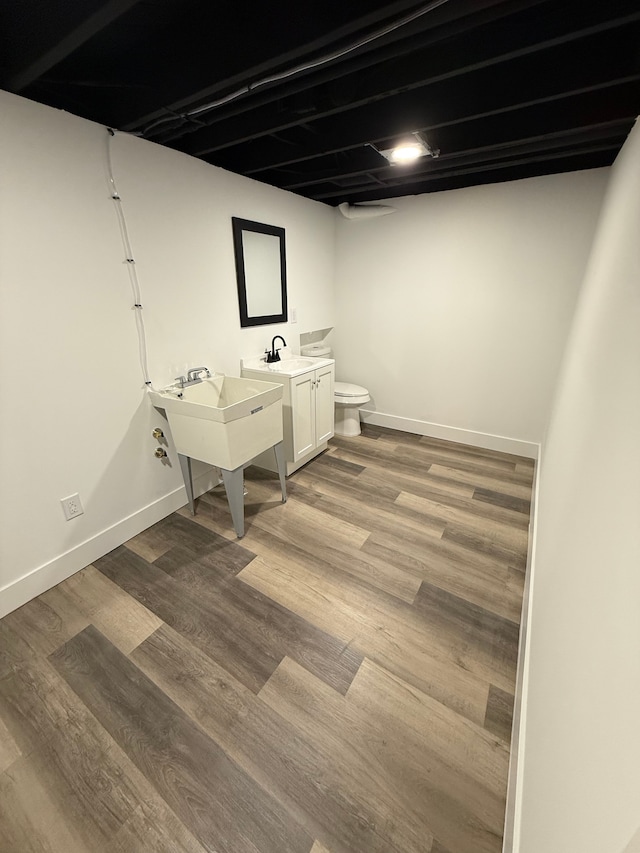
(324, 404)
(308, 414)
(303, 413)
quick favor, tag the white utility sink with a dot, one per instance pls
(286, 367)
(225, 420)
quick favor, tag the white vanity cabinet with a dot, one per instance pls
(307, 412)
(312, 411)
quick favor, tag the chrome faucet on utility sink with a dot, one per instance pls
(193, 376)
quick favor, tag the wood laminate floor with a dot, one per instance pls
(340, 681)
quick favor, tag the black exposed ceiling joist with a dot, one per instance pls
(603, 96)
(493, 167)
(373, 58)
(513, 172)
(209, 91)
(255, 125)
(506, 89)
(612, 131)
(398, 47)
(58, 46)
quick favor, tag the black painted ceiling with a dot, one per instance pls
(301, 93)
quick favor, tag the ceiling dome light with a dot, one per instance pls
(408, 151)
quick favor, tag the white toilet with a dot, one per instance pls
(347, 397)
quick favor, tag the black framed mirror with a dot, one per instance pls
(261, 272)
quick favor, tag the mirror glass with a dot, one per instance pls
(261, 272)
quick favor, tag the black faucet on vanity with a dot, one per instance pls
(274, 354)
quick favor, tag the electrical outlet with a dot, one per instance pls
(293, 315)
(71, 506)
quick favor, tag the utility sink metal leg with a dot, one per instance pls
(282, 470)
(185, 466)
(234, 486)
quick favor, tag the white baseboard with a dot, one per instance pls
(513, 812)
(516, 446)
(22, 590)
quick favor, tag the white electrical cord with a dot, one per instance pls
(300, 69)
(131, 264)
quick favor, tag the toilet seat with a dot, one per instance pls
(348, 394)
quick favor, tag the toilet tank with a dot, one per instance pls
(316, 351)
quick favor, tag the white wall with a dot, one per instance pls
(581, 782)
(179, 213)
(73, 413)
(466, 296)
(455, 309)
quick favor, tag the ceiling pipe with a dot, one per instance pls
(364, 211)
(302, 68)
